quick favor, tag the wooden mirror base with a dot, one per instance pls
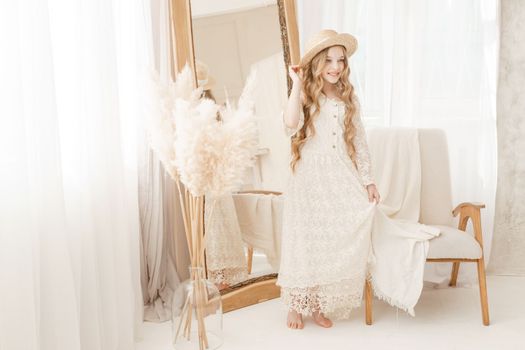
(250, 292)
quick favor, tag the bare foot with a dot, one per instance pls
(295, 320)
(321, 320)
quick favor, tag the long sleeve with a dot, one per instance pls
(292, 131)
(364, 167)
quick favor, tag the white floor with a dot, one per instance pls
(260, 265)
(448, 318)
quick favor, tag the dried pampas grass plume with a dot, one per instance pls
(237, 136)
(161, 129)
(209, 156)
(213, 155)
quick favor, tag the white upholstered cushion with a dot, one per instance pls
(453, 243)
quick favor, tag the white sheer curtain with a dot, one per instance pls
(70, 90)
(427, 63)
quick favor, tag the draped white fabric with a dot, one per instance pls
(69, 221)
(427, 63)
(164, 255)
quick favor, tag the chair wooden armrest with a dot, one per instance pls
(466, 205)
(468, 210)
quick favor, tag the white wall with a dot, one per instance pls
(508, 252)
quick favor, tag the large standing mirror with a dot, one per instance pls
(230, 39)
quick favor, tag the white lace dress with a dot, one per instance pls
(327, 220)
(225, 257)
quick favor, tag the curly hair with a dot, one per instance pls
(312, 91)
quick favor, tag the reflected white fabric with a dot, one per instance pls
(260, 221)
(225, 257)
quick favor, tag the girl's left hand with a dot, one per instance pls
(373, 194)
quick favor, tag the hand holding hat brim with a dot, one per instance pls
(325, 39)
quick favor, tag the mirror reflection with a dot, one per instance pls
(243, 229)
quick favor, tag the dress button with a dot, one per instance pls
(333, 133)
(333, 146)
(335, 116)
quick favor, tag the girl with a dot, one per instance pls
(330, 198)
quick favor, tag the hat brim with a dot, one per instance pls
(343, 39)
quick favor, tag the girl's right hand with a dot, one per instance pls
(295, 74)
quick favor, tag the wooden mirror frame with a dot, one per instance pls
(261, 288)
(181, 34)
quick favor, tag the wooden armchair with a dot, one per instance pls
(453, 245)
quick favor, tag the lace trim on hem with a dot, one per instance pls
(229, 276)
(334, 300)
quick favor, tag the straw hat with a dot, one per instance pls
(204, 80)
(328, 38)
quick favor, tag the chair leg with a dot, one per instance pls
(454, 275)
(250, 259)
(483, 291)
(368, 303)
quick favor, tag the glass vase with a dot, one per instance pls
(197, 314)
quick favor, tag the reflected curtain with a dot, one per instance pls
(164, 253)
(427, 64)
(71, 88)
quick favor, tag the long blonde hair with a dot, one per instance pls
(312, 91)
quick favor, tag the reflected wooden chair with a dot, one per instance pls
(249, 247)
(453, 245)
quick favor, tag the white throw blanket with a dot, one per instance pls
(399, 242)
(260, 220)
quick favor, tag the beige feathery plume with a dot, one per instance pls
(195, 154)
(183, 88)
(209, 156)
(161, 123)
(161, 129)
(237, 138)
